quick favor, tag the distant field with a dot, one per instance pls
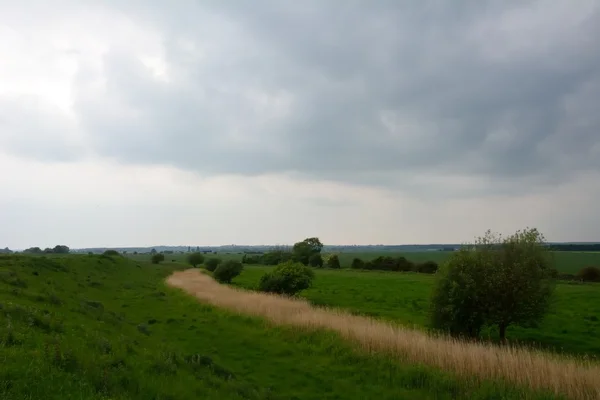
(573, 325)
(568, 262)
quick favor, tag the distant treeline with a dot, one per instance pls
(575, 247)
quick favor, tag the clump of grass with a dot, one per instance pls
(517, 365)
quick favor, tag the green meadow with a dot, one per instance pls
(98, 327)
(571, 326)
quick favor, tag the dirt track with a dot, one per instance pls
(574, 378)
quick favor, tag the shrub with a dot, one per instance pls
(276, 257)
(195, 259)
(157, 258)
(333, 262)
(428, 267)
(289, 278)
(228, 270)
(357, 263)
(383, 263)
(316, 260)
(404, 265)
(111, 253)
(212, 263)
(496, 282)
(589, 274)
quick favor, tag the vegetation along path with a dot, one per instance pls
(567, 376)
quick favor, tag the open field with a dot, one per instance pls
(95, 327)
(578, 379)
(572, 326)
(568, 262)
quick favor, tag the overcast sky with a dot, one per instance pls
(147, 122)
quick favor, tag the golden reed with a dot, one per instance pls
(572, 377)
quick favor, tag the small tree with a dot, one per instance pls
(496, 282)
(316, 261)
(158, 258)
(111, 253)
(333, 262)
(228, 270)
(212, 263)
(195, 259)
(289, 278)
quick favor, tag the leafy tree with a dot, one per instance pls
(302, 251)
(33, 250)
(111, 253)
(195, 259)
(357, 263)
(333, 262)
(589, 274)
(316, 260)
(212, 263)
(157, 258)
(228, 270)
(496, 282)
(288, 278)
(153, 251)
(61, 249)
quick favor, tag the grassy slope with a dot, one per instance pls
(572, 326)
(565, 261)
(91, 327)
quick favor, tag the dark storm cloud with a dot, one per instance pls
(359, 90)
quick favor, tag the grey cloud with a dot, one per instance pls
(461, 92)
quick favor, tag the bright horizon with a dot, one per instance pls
(146, 122)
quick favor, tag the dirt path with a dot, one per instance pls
(573, 378)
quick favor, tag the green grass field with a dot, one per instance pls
(567, 262)
(94, 327)
(572, 326)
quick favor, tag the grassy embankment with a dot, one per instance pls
(93, 327)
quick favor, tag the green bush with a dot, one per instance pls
(289, 278)
(427, 267)
(333, 262)
(228, 270)
(158, 258)
(195, 259)
(275, 257)
(316, 260)
(357, 263)
(404, 265)
(111, 253)
(212, 263)
(589, 274)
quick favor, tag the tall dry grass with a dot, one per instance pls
(528, 368)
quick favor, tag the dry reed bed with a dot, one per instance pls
(568, 376)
